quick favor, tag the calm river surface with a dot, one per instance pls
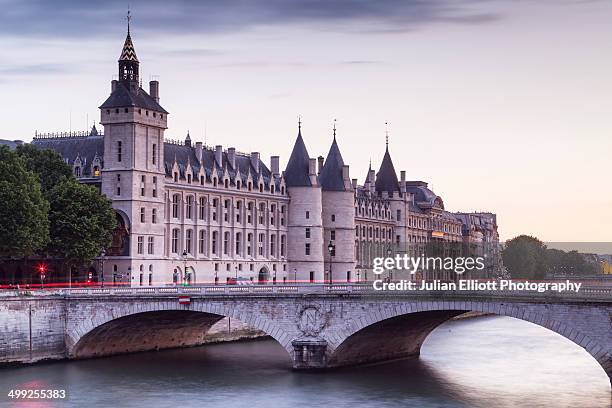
(483, 362)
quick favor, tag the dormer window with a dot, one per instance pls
(77, 171)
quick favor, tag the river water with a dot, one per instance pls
(482, 362)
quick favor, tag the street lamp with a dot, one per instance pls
(294, 275)
(216, 277)
(102, 255)
(184, 267)
(331, 248)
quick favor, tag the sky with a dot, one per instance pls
(500, 105)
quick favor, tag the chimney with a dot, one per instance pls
(321, 162)
(154, 90)
(345, 172)
(372, 180)
(114, 83)
(274, 165)
(231, 156)
(403, 181)
(312, 167)
(198, 151)
(219, 155)
(255, 161)
(354, 184)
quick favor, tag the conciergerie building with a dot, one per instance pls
(191, 214)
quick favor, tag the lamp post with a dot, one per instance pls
(295, 275)
(102, 255)
(216, 277)
(331, 248)
(184, 267)
(236, 269)
(42, 271)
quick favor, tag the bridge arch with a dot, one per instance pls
(132, 327)
(411, 323)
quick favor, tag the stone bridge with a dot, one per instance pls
(319, 326)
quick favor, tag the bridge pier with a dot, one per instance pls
(309, 354)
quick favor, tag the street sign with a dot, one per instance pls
(184, 300)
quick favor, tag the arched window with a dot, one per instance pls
(202, 242)
(188, 240)
(189, 207)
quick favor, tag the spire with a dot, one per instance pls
(128, 61)
(387, 135)
(331, 175)
(299, 125)
(188, 139)
(386, 178)
(296, 173)
(334, 130)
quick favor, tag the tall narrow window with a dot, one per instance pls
(140, 244)
(154, 192)
(175, 205)
(307, 249)
(202, 207)
(154, 152)
(202, 242)
(238, 242)
(273, 246)
(188, 240)
(143, 179)
(142, 214)
(189, 207)
(175, 242)
(119, 151)
(154, 216)
(282, 248)
(214, 242)
(150, 245)
(226, 243)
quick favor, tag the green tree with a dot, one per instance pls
(24, 227)
(81, 221)
(46, 164)
(525, 257)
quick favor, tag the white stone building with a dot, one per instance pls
(194, 214)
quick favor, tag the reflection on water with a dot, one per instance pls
(483, 362)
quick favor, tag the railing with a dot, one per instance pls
(586, 293)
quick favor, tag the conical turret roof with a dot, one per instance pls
(386, 178)
(331, 175)
(296, 172)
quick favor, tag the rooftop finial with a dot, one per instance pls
(334, 129)
(300, 123)
(387, 134)
(129, 18)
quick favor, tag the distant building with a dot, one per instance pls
(12, 144)
(190, 213)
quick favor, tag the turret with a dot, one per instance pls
(304, 226)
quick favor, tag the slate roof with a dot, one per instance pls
(386, 178)
(122, 97)
(87, 148)
(331, 174)
(422, 194)
(296, 172)
(186, 156)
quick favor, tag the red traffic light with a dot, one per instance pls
(42, 268)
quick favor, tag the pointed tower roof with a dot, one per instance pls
(331, 174)
(367, 177)
(296, 173)
(386, 178)
(128, 53)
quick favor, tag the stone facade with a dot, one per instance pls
(192, 214)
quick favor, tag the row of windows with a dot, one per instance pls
(150, 245)
(376, 212)
(190, 210)
(373, 232)
(127, 110)
(226, 247)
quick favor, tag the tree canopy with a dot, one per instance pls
(81, 220)
(46, 164)
(24, 228)
(527, 257)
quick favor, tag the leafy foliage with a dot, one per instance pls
(24, 228)
(526, 257)
(81, 220)
(46, 164)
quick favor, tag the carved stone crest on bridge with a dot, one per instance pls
(311, 320)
